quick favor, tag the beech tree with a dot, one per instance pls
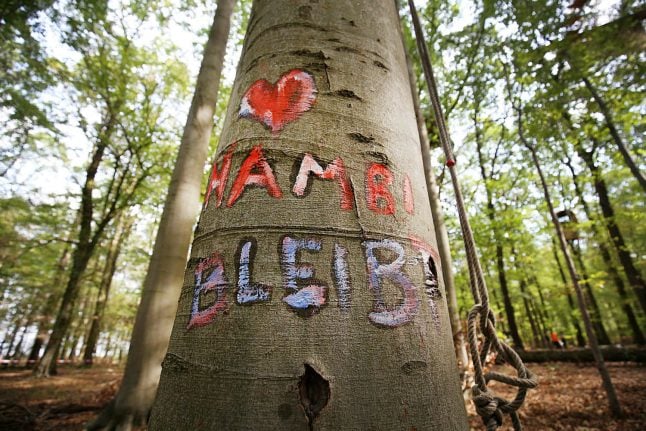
(131, 405)
(312, 297)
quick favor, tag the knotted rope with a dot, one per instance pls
(490, 407)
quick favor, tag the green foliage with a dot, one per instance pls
(88, 74)
(518, 67)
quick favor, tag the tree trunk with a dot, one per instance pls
(540, 322)
(108, 346)
(536, 333)
(638, 336)
(12, 339)
(163, 282)
(44, 321)
(17, 352)
(441, 234)
(580, 341)
(613, 401)
(623, 252)
(595, 312)
(109, 268)
(607, 115)
(535, 319)
(510, 313)
(543, 314)
(313, 297)
(86, 243)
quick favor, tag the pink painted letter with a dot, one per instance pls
(334, 171)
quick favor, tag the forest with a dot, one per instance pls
(274, 137)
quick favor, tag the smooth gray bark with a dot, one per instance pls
(310, 302)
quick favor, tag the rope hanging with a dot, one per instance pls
(489, 406)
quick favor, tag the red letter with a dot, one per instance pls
(218, 180)
(333, 171)
(254, 161)
(409, 206)
(378, 178)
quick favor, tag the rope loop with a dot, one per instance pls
(481, 318)
(487, 407)
(490, 407)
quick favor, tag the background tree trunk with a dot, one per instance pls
(580, 341)
(632, 273)
(163, 282)
(87, 241)
(441, 234)
(510, 313)
(613, 401)
(337, 308)
(591, 299)
(612, 128)
(638, 336)
(109, 268)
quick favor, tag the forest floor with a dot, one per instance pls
(569, 397)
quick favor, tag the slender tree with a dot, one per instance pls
(575, 321)
(614, 132)
(298, 309)
(633, 274)
(591, 298)
(613, 400)
(114, 83)
(441, 234)
(610, 266)
(109, 268)
(487, 178)
(49, 308)
(132, 403)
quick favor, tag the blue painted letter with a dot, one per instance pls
(314, 294)
(377, 272)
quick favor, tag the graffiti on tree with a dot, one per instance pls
(275, 105)
(386, 261)
(209, 277)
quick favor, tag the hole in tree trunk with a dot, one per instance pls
(432, 283)
(314, 392)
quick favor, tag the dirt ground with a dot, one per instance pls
(569, 397)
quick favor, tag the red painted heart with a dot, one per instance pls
(276, 105)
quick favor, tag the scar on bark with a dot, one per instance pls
(383, 159)
(320, 55)
(414, 367)
(314, 392)
(432, 281)
(347, 49)
(361, 138)
(348, 94)
(380, 64)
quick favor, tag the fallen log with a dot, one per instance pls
(610, 353)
